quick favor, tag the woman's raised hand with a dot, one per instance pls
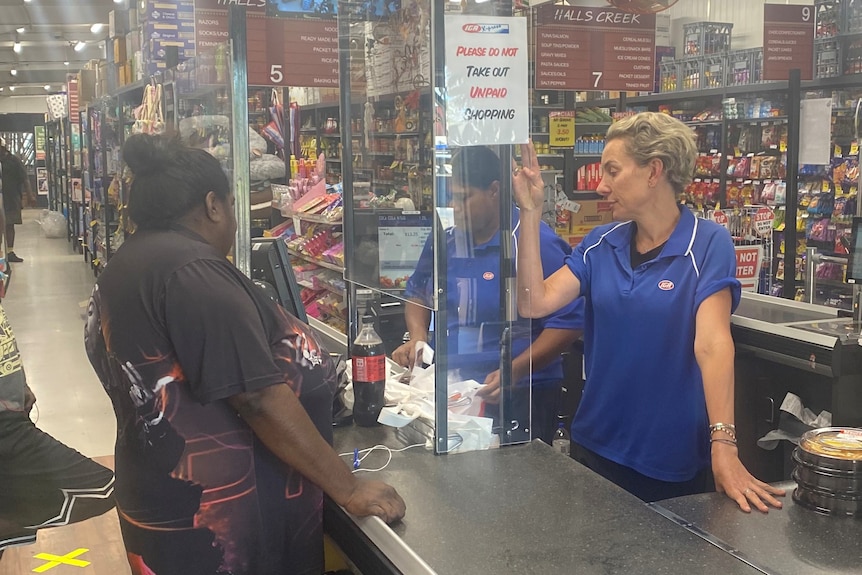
(527, 185)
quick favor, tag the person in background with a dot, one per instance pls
(473, 299)
(16, 183)
(656, 416)
(403, 201)
(43, 483)
(223, 400)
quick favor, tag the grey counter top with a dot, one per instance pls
(524, 509)
(790, 541)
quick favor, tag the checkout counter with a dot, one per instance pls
(530, 510)
(527, 509)
(787, 346)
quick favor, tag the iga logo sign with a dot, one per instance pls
(486, 28)
(665, 285)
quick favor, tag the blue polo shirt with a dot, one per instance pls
(643, 404)
(474, 322)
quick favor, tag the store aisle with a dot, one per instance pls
(44, 309)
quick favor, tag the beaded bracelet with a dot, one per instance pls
(727, 428)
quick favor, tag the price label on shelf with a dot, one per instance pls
(562, 129)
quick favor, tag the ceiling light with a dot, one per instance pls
(1, 88)
(21, 30)
(16, 47)
(96, 28)
(80, 46)
(13, 71)
(47, 87)
(11, 88)
(66, 63)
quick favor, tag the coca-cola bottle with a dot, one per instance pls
(369, 374)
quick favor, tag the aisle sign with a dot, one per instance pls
(788, 41)
(583, 48)
(562, 129)
(748, 262)
(486, 80)
(39, 136)
(280, 52)
(211, 29)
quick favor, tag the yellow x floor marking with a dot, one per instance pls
(57, 560)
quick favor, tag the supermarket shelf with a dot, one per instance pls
(767, 120)
(334, 160)
(312, 260)
(588, 156)
(326, 286)
(392, 134)
(320, 105)
(309, 217)
(330, 135)
(695, 123)
(328, 331)
(580, 126)
(308, 130)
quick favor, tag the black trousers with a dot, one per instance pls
(44, 483)
(639, 485)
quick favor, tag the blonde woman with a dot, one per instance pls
(659, 287)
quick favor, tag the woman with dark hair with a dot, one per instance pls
(473, 319)
(223, 400)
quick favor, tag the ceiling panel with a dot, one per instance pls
(52, 28)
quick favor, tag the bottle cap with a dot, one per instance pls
(368, 319)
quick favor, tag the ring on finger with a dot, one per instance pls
(747, 491)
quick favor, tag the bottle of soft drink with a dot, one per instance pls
(562, 441)
(369, 374)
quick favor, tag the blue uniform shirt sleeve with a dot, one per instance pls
(577, 262)
(717, 266)
(555, 253)
(421, 283)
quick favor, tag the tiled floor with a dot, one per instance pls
(44, 310)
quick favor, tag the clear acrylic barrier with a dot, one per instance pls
(430, 224)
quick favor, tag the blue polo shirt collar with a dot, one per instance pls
(678, 244)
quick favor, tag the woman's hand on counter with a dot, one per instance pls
(376, 498)
(734, 480)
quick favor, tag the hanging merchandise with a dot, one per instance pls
(274, 131)
(148, 116)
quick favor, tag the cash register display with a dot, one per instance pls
(271, 271)
(854, 267)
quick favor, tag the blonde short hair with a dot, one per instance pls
(651, 135)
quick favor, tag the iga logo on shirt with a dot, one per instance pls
(665, 285)
(488, 276)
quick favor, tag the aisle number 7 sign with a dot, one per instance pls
(581, 48)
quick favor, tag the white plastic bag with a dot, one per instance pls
(53, 225)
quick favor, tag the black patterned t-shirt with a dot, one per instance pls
(173, 331)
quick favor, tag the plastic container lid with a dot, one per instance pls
(843, 443)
